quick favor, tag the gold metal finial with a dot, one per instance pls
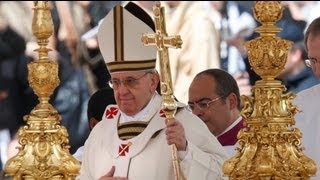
(269, 59)
(163, 42)
(267, 13)
(269, 147)
(44, 151)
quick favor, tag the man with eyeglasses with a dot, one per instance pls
(214, 97)
(308, 120)
(133, 139)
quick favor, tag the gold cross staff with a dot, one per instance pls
(163, 42)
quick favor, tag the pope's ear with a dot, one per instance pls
(155, 81)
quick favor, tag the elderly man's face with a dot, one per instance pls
(133, 90)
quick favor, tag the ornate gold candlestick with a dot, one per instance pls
(44, 151)
(270, 147)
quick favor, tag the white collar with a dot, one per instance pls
(141, 115)
(231, 126)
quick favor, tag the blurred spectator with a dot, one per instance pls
(292, 29)
(199, 50)
(10, 10)
(303, 10)
(70, 98)
(296, 76)
(16, 97)
(232, 33)
(95, 11)
(243, 82)
(233, 55)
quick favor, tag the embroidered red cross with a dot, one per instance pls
(111, 112)
(162, 114)
(123, 149)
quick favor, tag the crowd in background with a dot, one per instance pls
(213, 33)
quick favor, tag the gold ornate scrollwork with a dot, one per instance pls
(269, 147)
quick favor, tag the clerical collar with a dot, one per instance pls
(140, 116)
(231, 126)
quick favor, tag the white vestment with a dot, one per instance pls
(308, 121)
(149, 156)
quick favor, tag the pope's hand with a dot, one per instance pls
(175, 134)
(109, 175)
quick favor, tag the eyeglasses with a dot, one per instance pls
(129, 82)
(311, 62)
(202, 105)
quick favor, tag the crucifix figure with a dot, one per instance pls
(163, 42)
